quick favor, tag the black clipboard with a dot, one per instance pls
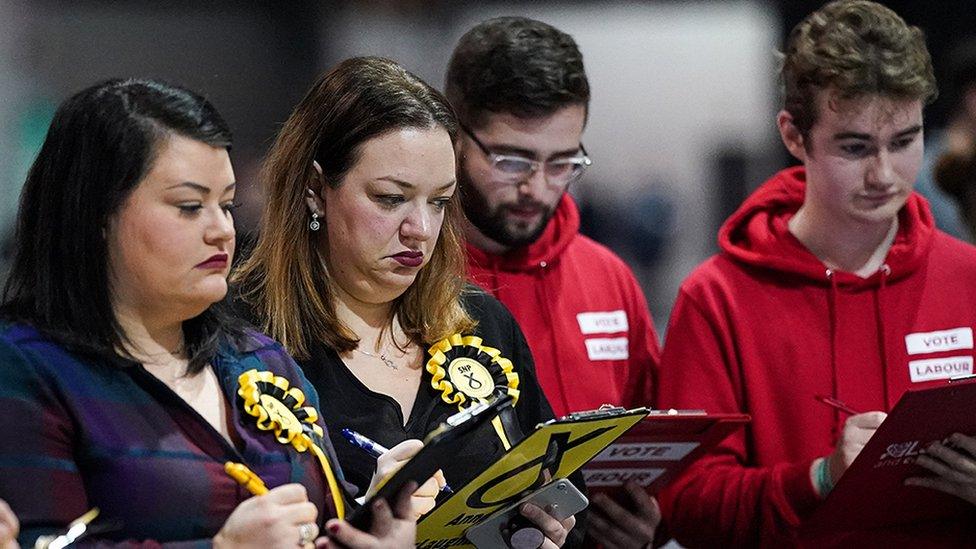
(440, 446)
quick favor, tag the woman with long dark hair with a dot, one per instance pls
(124, 385)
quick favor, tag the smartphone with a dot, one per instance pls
(559, 498)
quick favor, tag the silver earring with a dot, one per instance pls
(314, 224)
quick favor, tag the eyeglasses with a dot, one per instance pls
(513, 169)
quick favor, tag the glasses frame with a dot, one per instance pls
(494, 158)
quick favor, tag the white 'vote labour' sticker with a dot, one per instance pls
(940, 368)
(942, 340)
(609, 322)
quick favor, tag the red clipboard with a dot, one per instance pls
(871, 494)
(657, 449)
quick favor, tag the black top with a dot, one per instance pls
(347, 403)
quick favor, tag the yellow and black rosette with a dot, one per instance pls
(466, 371)
(278, 407)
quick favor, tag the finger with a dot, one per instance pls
(867, 420)
(343, 534)
(600, 529)
(966, 443)
(647, 505)
(401, 507)
(405, 450)
(288, 493)
(954, 459)
(420, 506)
(940, 468)
(940, 484)
(382, 519)
(299, 513)
(551, 527)
(568, 523)
(441, 480)
(636, 527)
(429, 489)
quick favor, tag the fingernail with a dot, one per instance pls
(333, 528)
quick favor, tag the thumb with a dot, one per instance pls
(405, 450)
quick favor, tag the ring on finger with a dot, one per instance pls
(306, 533)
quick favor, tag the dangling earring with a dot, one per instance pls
(314, 224)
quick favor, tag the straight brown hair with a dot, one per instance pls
(285, 281)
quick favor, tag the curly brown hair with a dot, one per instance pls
(855, 48)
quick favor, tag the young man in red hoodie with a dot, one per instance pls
(522, 96)
(830, 277)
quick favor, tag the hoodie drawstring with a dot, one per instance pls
(879, 316)
(880, 293)
(832, 312)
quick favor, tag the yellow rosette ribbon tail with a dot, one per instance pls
(278, 408)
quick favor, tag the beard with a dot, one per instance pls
(496, 223)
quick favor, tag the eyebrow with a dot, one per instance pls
(408, 185)
(198, 187)
(518, 151)
(867, 137)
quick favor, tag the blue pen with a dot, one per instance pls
(374, 449)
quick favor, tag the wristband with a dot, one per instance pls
(821, 477)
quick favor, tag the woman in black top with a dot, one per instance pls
(359, 272)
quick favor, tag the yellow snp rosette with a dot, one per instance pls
(278, 407)
(466, 371)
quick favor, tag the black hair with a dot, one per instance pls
(515, 65)
(101, 143)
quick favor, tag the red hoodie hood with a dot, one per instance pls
(559, 232)
(757, 234)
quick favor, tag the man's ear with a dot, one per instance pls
(791, 135)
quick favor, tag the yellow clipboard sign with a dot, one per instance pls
(555, 449)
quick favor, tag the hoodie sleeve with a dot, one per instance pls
(724, 499)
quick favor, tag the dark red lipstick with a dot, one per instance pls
(216, 261)
(409, 259)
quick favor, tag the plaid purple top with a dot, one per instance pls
(81, 433)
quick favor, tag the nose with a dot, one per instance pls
(418, 225)
(881, 172)
(534, 184)
(220, 228)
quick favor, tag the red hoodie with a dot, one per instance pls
(764, 326)
(583, 314)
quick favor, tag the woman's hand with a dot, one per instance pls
(9, 527)
(617, 527)
(425, 497)
(555, 530)
(955, 465)
(392, 528)
(275, 519)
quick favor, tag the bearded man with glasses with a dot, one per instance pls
(522, 95)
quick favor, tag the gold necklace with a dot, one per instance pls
(382, 356)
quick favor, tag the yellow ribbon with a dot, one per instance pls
(468, 352)
(267, 397)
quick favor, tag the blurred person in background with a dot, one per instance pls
(126, 386)
(825, 274)
(359, 272)
(522, 97)
(949, 150)
(951, 154)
